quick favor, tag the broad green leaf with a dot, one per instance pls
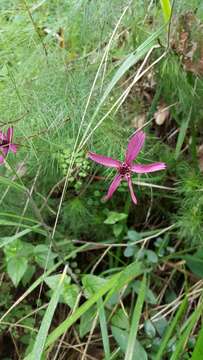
(117, 229)
(130, 251)
(149, 295)
(16, 268)
(121, 337)
(42, 277)
(8, 239)
(195, 262)
(161, 325)
(53, 280)
(44, 257)
(133, 235)
(149, 329)
(92, 284)
(114, 217)
(86, 321)
(69, 293)
(18, 248)
(151, 256)
(28, 274)
(120, 320)
(139, 351)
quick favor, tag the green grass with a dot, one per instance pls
(76, 76)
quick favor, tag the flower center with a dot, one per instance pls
(124, 169)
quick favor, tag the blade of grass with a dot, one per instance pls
(130, 60)
(182, 134)
(12, 184)
(181, 343)
(32, 228)
(128, 273)
(66, 324)
(166, 8)
(117, 104)
(184, 127)
(15, 216)
(104, 330)
(198, 350)
(115, 282)
(135, 321)
(7, 240)
(39, 344)
(171, 328)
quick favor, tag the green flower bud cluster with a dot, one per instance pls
(79, 170)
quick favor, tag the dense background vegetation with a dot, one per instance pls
(82, 278)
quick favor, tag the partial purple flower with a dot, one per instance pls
(126, 168)
(6, 144)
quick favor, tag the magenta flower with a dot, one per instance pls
(124, 169)
(6, 144)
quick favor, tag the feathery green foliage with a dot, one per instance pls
(85, 75)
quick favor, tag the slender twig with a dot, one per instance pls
(36, 28)
(28, 199)
(5, 123)
(101, 245)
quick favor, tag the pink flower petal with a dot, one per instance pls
(13, 148)
(140, 169)
(114, 185)
(104, 160)
(134, 146)
(10, 134)
(1, 160)
(2, 136)
(133, 197)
